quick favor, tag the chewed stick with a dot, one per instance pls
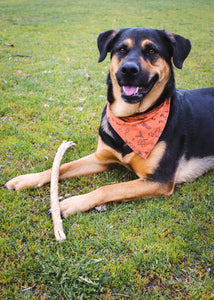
(54, 198)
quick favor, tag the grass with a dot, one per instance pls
(151, 249)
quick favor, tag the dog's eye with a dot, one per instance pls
(123, 50)
(151, 51)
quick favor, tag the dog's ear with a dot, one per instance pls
(104, 43)
(181, 49)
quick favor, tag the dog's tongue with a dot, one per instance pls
(130, 90)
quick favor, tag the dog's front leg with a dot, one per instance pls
(132, 190)
(85, 166)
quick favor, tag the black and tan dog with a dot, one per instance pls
(165, 136)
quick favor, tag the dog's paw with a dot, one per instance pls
(23, 182)
(70, 206)
(66, 208)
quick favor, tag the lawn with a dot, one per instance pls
(52, 89)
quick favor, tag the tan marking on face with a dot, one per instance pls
(162, 69)
(119, 108)
(145, 42)
(122, 109)
(129, 43)
(118, 101)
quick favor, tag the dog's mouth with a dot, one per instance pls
(135, 94)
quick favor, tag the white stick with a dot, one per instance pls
(55, 208)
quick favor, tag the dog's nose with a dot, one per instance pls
(130, 68)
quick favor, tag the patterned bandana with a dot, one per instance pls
(141, 132)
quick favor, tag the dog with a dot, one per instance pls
(164, 135)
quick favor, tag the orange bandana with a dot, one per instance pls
(141, 132)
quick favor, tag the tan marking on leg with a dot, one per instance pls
(105, 153)
(82, 167)
(29, 180)
(126, 191)
(133, 161)
(91, 164)
(143, 167)
(140, 188)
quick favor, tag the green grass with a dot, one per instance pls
(151, 249)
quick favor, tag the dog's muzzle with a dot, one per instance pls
(134, 82)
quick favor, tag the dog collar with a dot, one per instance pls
(141, 132)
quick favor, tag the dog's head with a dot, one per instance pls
(141, 66)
